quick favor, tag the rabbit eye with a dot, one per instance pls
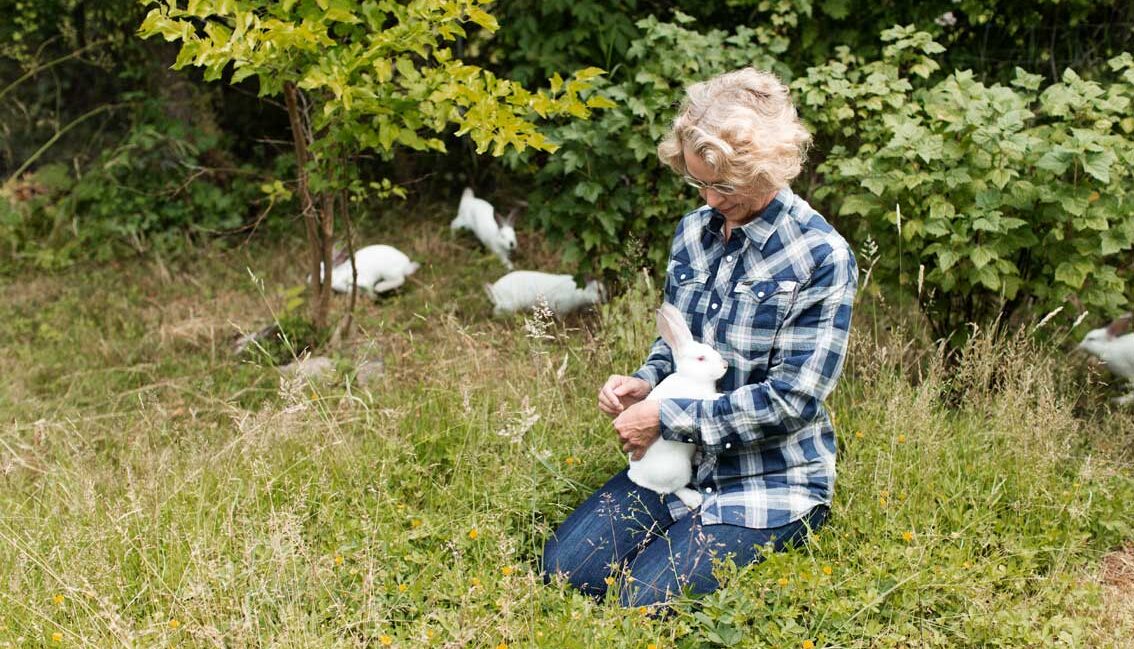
(700, 358)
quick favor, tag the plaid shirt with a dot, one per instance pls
(775, 300)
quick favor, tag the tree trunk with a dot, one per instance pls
(317, 249)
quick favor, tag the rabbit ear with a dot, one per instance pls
(511, 218)
(1120, 325)
(672, 327)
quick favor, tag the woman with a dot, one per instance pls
(766, 280)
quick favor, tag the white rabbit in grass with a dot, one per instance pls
(380, 268)
(522, 290)
(478, 215)
(1114, 346)
(667, 467)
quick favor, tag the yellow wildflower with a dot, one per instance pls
(858, 434)
(782, 581)
(507, 570)
(473, 534)
(415, 523)
(402, 588)
(807, 644)
(643, 610)
(571, 460)
(827, 570)
(651, 646)
(58, 599)
(502, 645)
(174, 623)
(57, 637)
(907, 536)
(609, 581)
(338, 559)
(901, 439)
(385, 640)
(475, 581)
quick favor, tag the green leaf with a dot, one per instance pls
(1071, 274)
(981, 256)
(1098, 165)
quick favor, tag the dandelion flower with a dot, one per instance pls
(338, 559)
(782, 581)
(901, 439)
(571, 460)
(502, 645)
(651, 646)
(57, 637)
(58, 599)
(827, 570)
(858, 434)
(385, 640)
(609, 581)
(507, 570)
(643, 610)
(807, 644)
(415, 523)
(174, 623)
(475, 581)
(402, 588)
(907, 536)
(429, 634)
(881, 501)
(473, 533)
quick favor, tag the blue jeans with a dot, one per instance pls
(624, 532)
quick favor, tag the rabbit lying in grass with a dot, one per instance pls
(380, 268)
(478, 216)
(1114, 346)
(667, 467)
(522, 290)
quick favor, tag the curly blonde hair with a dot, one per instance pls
(743, 124)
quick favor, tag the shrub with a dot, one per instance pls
(155, 189)
(604, 197)
(1010, 196)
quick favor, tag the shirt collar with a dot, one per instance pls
(759, 229)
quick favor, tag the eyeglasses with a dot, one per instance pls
(724, 189)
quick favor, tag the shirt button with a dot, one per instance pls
(728, 445)
(728, 258)
(708, 490)
(760, 294)
(682, 276)
(688, 440)
(715, 305)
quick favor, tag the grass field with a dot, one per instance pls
(156, 491)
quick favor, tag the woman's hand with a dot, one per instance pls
(620, 392)
(638, 426)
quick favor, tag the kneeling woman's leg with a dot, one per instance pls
(682, 559)
(609, 528)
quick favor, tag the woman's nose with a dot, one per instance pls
(714, 198)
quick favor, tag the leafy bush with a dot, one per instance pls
(153, 190)
(1009, 196)
(604, 197)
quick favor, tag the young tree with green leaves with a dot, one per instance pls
(363, 75)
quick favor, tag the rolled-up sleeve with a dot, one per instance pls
(806, 359)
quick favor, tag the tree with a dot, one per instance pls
(363, 75)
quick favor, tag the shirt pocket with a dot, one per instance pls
(687, 283)
(758, 309)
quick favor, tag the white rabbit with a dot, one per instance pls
(380, 268)
(478, 215)
(521, 290)
(667, 467)
(1114, 346)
